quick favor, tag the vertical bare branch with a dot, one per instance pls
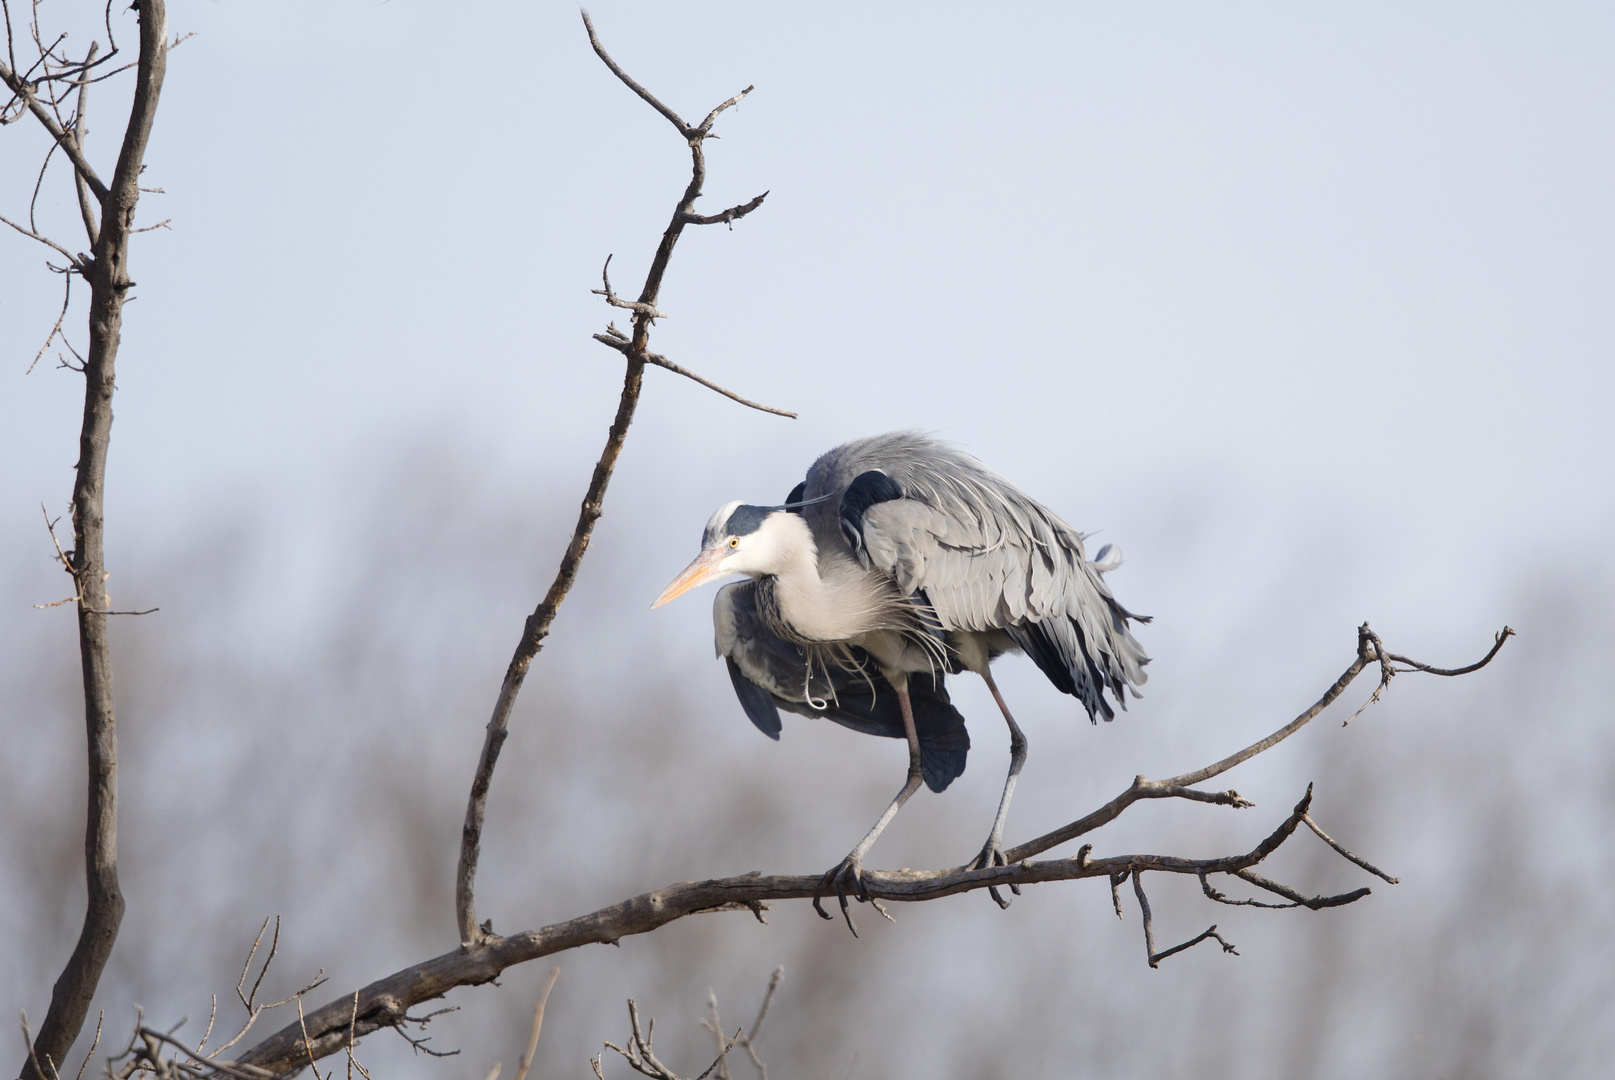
(538, 624)
(80, 131)
(108, 277)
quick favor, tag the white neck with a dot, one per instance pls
(833, 602)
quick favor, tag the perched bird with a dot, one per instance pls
(898, 560)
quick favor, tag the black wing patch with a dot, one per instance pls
(1057, 647)
(871, 707)
(793, 501)
(865, 491)
(758, 703)
(864, 704)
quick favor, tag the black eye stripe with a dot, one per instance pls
(747, 519)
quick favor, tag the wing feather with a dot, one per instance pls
(987, 557)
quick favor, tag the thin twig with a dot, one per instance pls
(628, 80)
(39, 180)
(538, 1025)
(1155, 958)
(749, 1041)
(1180, 786)
(80, 133)
(307, 1046)
(22, 90)
(227, 1068)
(72, 259)
(88, 1054)
(274, 944)
(1348, 856)
(623, 346)
(1502, 636)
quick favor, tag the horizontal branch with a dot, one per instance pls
(1502, 636)
(385, 1003)
(734, 213)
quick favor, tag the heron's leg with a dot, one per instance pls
(993, 853)
(848, 874)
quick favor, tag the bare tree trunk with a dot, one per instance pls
(108, 278)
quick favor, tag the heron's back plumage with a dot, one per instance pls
(983, 555)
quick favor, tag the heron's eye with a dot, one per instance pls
(734, 541)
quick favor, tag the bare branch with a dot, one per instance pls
(1179, 786)
(38, 181)
(88, 1054)
(80, 132)
(107, 274)
(749, 1040)
(1348, 856)
(538, 1024)
(239, 1072)
(23, 90)
(1502, 636)
(706, 125)
(274, 943)
(383, 1003)
(1316, 903)
(628, 81)
(622, 345)
(643, 1060)
(538, 624)
(647, 310)
(1155, 958)
(728, 216)
(72, 259)
(67, 297)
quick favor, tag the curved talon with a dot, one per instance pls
(992, 854)
(836, 878)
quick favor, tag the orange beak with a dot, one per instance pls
(707, 565)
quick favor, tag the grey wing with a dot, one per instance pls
(985, 555)
(770, 673)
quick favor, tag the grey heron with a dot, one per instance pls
(898, 560)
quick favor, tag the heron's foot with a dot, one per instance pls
(846, 877)
(992, 854)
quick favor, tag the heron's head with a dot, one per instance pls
(742, 539)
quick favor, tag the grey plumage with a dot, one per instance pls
(987, 557)
(897, 560)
